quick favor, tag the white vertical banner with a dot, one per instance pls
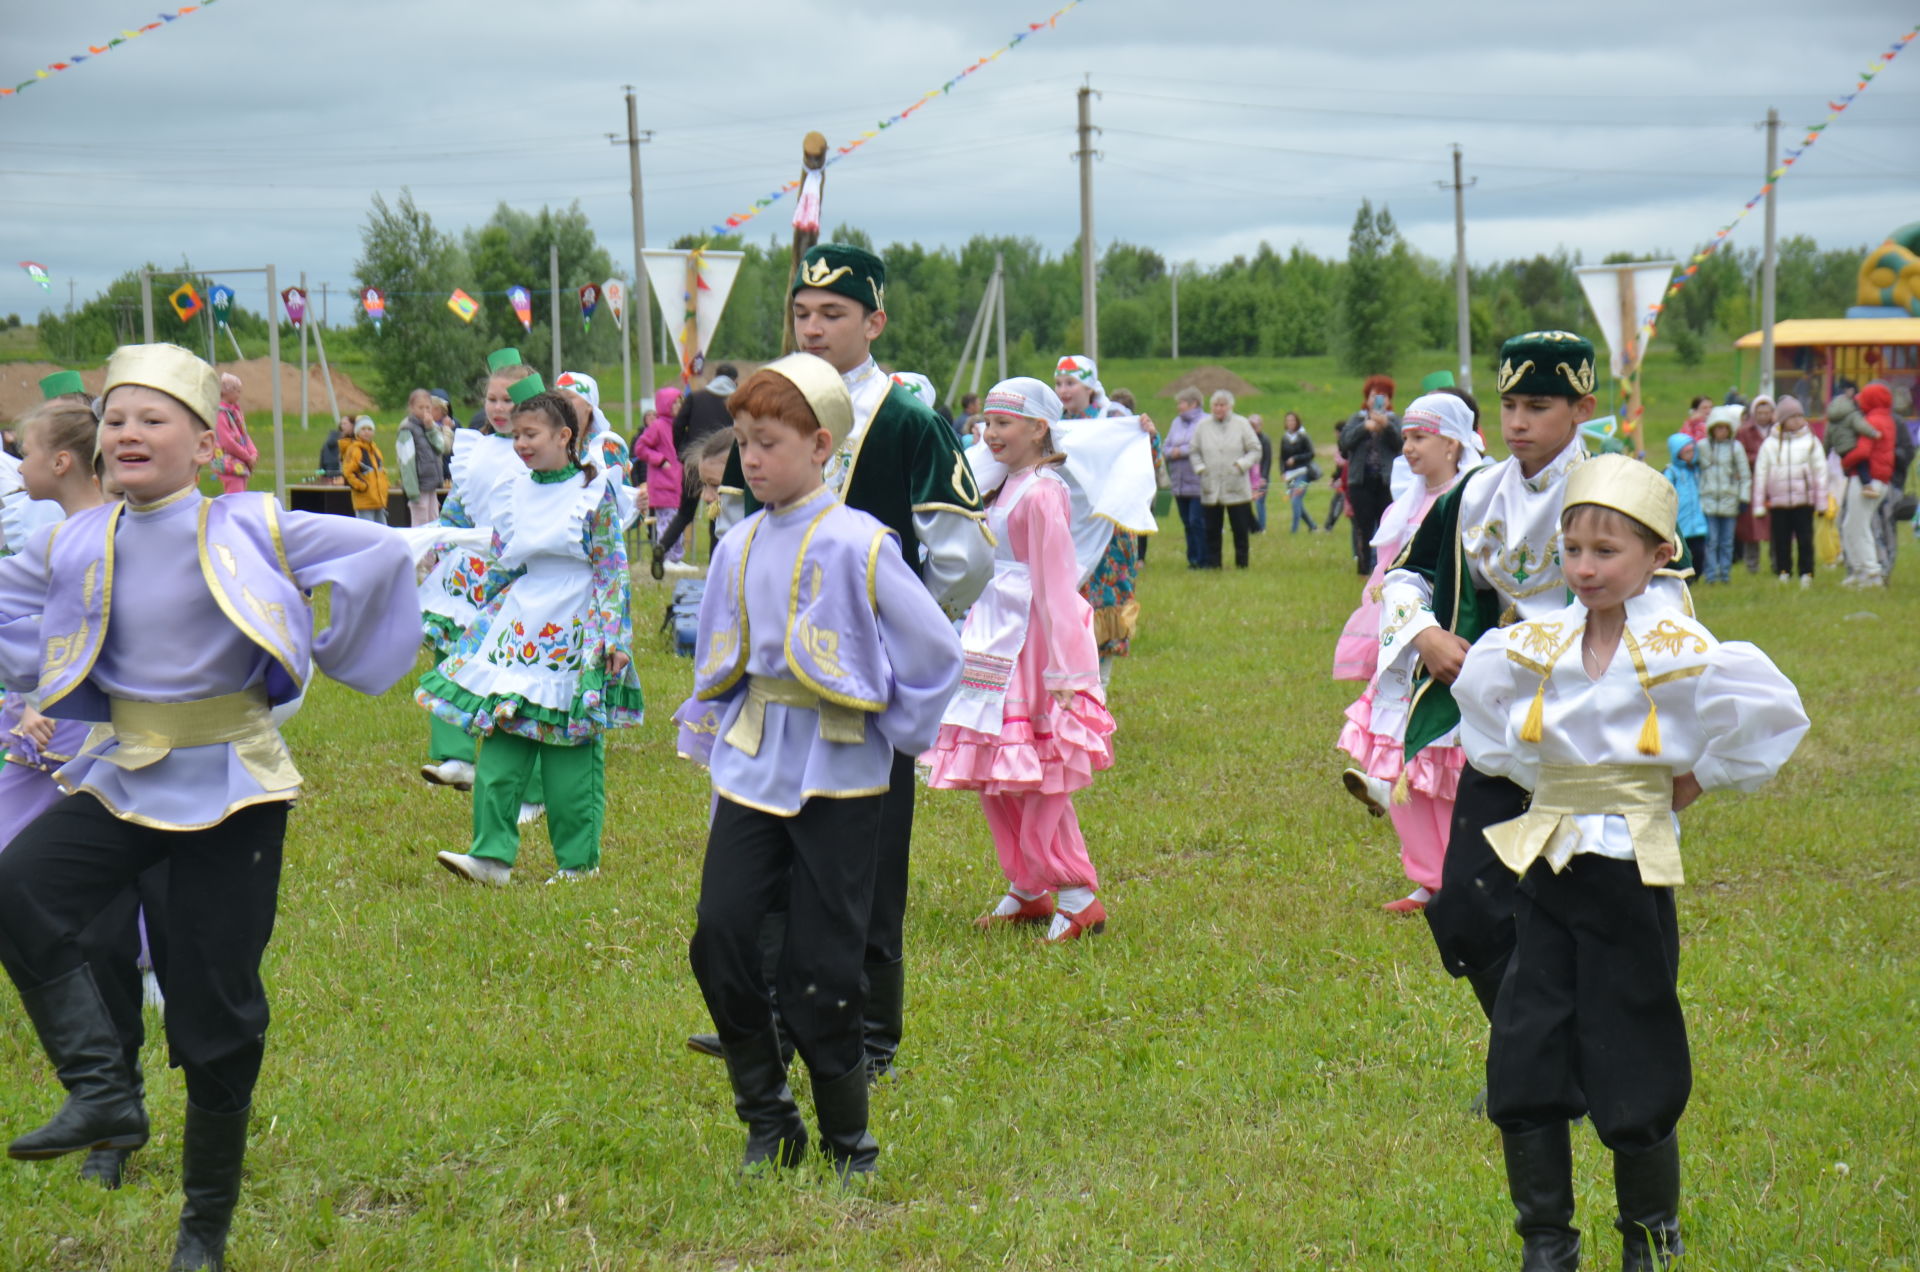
(1620, 296)
(667, 271)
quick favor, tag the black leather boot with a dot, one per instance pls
(886, 1010)
(1540, 1181)
(102, 1110)
(1647, 1188)
(108, 1166)
(775, 1132)
(216, 1147)
(841, 1106)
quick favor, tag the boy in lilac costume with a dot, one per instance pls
(175, 623)
(820, 655)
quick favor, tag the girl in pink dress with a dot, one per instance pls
(1442, 445)
(235, 453)
(1029, 725)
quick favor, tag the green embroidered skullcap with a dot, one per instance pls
(521, 390)
(60, 383)
(1551, 363)
(1438, 380)
(853, 272)
(501, 359)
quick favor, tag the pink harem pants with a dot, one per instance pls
(1423, 824)
(1039, 841)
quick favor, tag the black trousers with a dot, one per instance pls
(819, 864)
(77, 860)
(1213, 515)
(1471, 917)
(1588, 1016)
(111, 945)
(1367, 502)
(1788, 527)
(886, 927)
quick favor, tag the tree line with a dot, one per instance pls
(1382, 299)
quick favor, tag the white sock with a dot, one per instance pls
(1421, 894)
(1073, 900)
(1010, 903)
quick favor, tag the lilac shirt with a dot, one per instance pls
(794, 763)
(168, 641)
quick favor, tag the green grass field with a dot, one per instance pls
(1253, 1068)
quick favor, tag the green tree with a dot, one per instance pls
(418, 266)
(512, 249)
(1370, 322)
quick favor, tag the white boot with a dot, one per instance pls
(476, 869)
(455, 773)
(531, 813)
(1376, 793)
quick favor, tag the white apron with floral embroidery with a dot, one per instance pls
(996, 629)
(534, 644)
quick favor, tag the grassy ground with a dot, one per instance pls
(1253, 1068)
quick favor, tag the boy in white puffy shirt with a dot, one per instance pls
(1615, 712)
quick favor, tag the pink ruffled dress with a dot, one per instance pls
(1030, 633)
(1375, 733)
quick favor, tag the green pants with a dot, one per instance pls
(575, 783)
(448, 743)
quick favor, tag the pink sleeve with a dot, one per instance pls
(1042, 538)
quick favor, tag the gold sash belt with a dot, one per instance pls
(147, 731)
(837, 723)
(1641, 793)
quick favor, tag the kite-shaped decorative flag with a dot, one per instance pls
(185, 301)
(522, 301)
(296, 302)
(616, 293)
(375, 302)
(464, 306)
(221, 298)
(38, 273)
(589, 301)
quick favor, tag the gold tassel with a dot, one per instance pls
(1402, 789)
(1534, 726)
(1650, 731)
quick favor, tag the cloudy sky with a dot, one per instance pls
(258, 130)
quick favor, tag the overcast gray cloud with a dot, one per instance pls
(258, 130)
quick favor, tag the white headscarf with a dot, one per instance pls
(1082, 368)
(918, 385)
(1451, 418)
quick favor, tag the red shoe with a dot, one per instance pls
(1092, 919)
(1038, 910)
(1411, 904)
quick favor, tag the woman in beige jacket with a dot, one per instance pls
(1223, 453)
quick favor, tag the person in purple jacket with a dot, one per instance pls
(177, 623)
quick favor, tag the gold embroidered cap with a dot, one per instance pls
(1551, 363)
(823, 388)
(171, 370)
(852, 272)
(1631, 488)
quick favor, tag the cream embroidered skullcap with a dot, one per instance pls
(169, 369)
(1628, 487)
(821, 385)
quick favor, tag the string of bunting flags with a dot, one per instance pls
(1835, 108)
(766, 201)
(95, 50)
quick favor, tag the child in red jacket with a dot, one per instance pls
(1869, 470)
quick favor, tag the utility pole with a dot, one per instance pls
(323, 303)
(1767, 260)
(642, 333)
(146, 306)
(1089, 292)
(553, 282)
(1174, 277)
(1463, 323)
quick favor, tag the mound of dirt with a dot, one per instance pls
(1209, 380)
(20, 388)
